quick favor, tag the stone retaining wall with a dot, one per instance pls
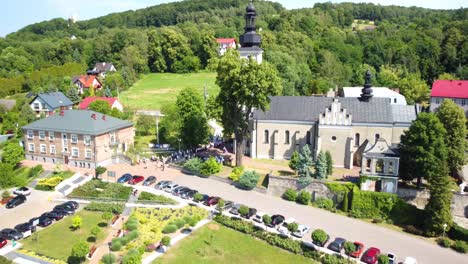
(418, 198)
(277, 185)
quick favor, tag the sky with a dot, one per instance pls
(20, 13)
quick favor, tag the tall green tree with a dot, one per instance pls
(293, 162)
(414, 89)
(329, 159)
(193, 127)
(422, 148)
(453, 118)
(321, 167)
(73, 95)
(303, 166)
(100, 106)
(13, 153)
(245, 85)
(156, 60)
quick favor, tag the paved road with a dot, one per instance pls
(336, 225)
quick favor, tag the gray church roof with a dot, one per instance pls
(308, 108)
(54, 99)
(79, 122)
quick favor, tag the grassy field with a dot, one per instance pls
(57, 240)
(157, 89)
(217, 244)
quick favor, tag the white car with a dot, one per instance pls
(301, 231)
(22, 191)
(391, 258)
(410, 260)
(258, 217)
(283, 228)
(170, 187)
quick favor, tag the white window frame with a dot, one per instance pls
(42, 135)
(65, 148)
(52, 149)
(37, 106)
(43, 147)
(87, 140)
(77, 152)
(30, 134)
(88, 153)
(51, 136)
(31, 147)
(64, 137)
(74, 139)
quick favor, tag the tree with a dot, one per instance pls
(454, 121)
(79, 251)
(319, 237)
(243, 210)
(100, 170)
(144, 124)
(244, 85)
(292, 227)
(106, 216)
(249, 179)
(423, 152)
(303, 166)
(6, 171)
(108, 259)
(349, 247)
(77, 222)
(293, 162)
(266, 219)
(213, 110)
(166, 241)
(220, 205)
(100, 106)
(133, 257)
(303, 197)
(329, 159)
(345, 206)
(321, 166)
(13, 153)
(95, 230)
(73, 95)
(447, 76)
(290, 194)
(210, 167)
(193, 127)
(26, 114)
(156, 60)
(383, 259)
(414, 89)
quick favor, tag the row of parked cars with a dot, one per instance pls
(135, 179)
(44, 220)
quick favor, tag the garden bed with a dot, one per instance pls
(147, 197)
(97, 189)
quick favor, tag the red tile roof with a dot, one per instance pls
(225, 40)
(87, 80)
(88, 100)
(450, 89)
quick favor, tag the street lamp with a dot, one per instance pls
(444, 226)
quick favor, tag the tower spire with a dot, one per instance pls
(367, 90)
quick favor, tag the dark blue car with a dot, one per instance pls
(125, 178)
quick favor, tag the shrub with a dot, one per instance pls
(383, 259)
(292, 227)
(460, 246)
(169, 229)
(210, 167)
(133, 256)
(179, 223)
(95, 230)
(290, 194)
(159, 199)
(100, 170)
(266, 219)
(324, 203)
(80, 250)
(243, 210)
(116, 245)
(132, 224)
(35, 171)
(444, 242)
(108, 259)
(116, 208)
(457, 232)
(220, 204)
(349, 247)
(249, 180)
(319, 236)
(166, 241)
(372, 204)
(77, 222)
(193, 165)
(106, 216)
(6, 194)
(198, 197)
(236, 173)
(192, 221)
(48, 184)
(413, 230)
(304, 197)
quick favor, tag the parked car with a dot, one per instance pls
(371, 255)
(160, 185)
(3, 242)
(235, 209)
(136, 179)
(391, 258)
(17, 200)
(276, 220)
(259, 217)
(43, 221)
(124, 178)
(252, 212)
(227, 205)
(150, 180)
(188, 194)
(301, 231)
(64, 209)
(212, 200)
(359, 248)
(337, 244)
(24, 227)
(72, 204)
(171, 186)
(176, 191)
(22, 191)
(184, 191)
(283, 228)
(11, 234)
(54, 215)
(410, 260)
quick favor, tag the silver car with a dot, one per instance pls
(301, 231)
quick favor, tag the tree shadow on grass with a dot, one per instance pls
(91, 239)
(102, 224)
(74, 260)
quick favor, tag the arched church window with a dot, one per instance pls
(357, 138)
(267, 136)
(286, 137)
(308, 138)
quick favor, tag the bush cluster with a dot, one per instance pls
(47, 184)
(157, 199)
(304, 197)
(319, 236)
(210, 167)
(132, 224)
(457, 232)
(236, 173)
(133, 256)
(109, 190)
(444, 242)
(249, 180)
(119, 242)
(193, 165)
(116, 208)
(324, 203)
(460, 246)
(290, 194)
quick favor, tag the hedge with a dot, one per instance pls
(116, 208)
(457, 232)
(460, 246)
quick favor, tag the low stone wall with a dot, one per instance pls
(459, 205)
(418, 198)
(277, 185)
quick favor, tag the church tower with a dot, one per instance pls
(250, 41)
(367, 90)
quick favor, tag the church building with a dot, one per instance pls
(343, 126)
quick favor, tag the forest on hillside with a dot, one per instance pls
(314, 49)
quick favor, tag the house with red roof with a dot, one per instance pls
(113, 102)
(225, 44)
(449, 89)
(86, 81)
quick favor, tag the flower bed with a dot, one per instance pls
(102, 190)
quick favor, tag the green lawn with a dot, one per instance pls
(57, 240)
(154, 90)
(215, 244)
(101, 189)
(156, 199)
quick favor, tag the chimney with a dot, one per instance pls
(103, 117)
(62, 113)
(93, 116)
